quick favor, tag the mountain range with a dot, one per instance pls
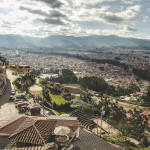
(71, 42)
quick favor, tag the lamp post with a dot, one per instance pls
(102, 113)
(97, 123)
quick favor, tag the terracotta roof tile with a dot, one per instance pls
(36, 130)
(49, 146)
(37, 133)
(24, 125)
(12, 126)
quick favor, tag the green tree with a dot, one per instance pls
(117, 113)
(135, 126)
(146, 97)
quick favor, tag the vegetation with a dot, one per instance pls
(99, 85)
(58, 99)
(135, 102)
(35, 72)
(93, 83)
(146, 98)
(56, 102)
(86, 97)
(67, 77)
(132, 125)
(120, 140)
(24, 82)
(144, 74)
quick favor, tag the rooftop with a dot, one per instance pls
(89, 141)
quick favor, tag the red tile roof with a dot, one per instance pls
(12, 126)
(50, 146)
(36, 130)
(36, 133)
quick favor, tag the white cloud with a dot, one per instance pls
(130, 1)
(136, 8)
(102, 14)
(41, 18)
(127, 28)
(89, 2)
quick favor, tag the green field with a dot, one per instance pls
(134, 102)
(58, 99)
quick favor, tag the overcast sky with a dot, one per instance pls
(42, 18)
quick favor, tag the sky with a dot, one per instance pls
(43, 18)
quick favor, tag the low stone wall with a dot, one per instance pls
(2, 89)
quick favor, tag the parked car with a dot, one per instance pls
(13, 92)
(23, 108)
(11, 98)
(20, 96)
(18, 102)
(21, 104)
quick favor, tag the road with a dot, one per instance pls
(7, 109)
(5, 97)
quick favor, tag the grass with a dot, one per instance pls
(66, 111)
(134, 102)
(40, 79)
(126, 106)
(58, 99)
(132, 107)
(127, 144)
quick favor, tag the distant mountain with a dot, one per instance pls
(66, 42)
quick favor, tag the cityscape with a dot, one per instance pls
(74, 75)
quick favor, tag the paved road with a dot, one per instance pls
(7, 109)
(5, 97)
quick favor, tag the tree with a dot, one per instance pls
(46, 95)
(135, 126)
(117, 113)
(146, 97)
(86, 97)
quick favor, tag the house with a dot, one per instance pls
(28, 131)
(21, 69)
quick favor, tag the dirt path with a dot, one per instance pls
(35, 88)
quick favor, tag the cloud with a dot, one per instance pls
(39, 12)
(127, 28)
(111, 17)
(42, 18)
(52, 13)
(136, 8)
(89, 2)
(115, 18)
(51, 21)
(51, 3)
(129, 1)
(104, 15)
(57, 14)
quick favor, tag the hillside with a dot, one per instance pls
(67, 42)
